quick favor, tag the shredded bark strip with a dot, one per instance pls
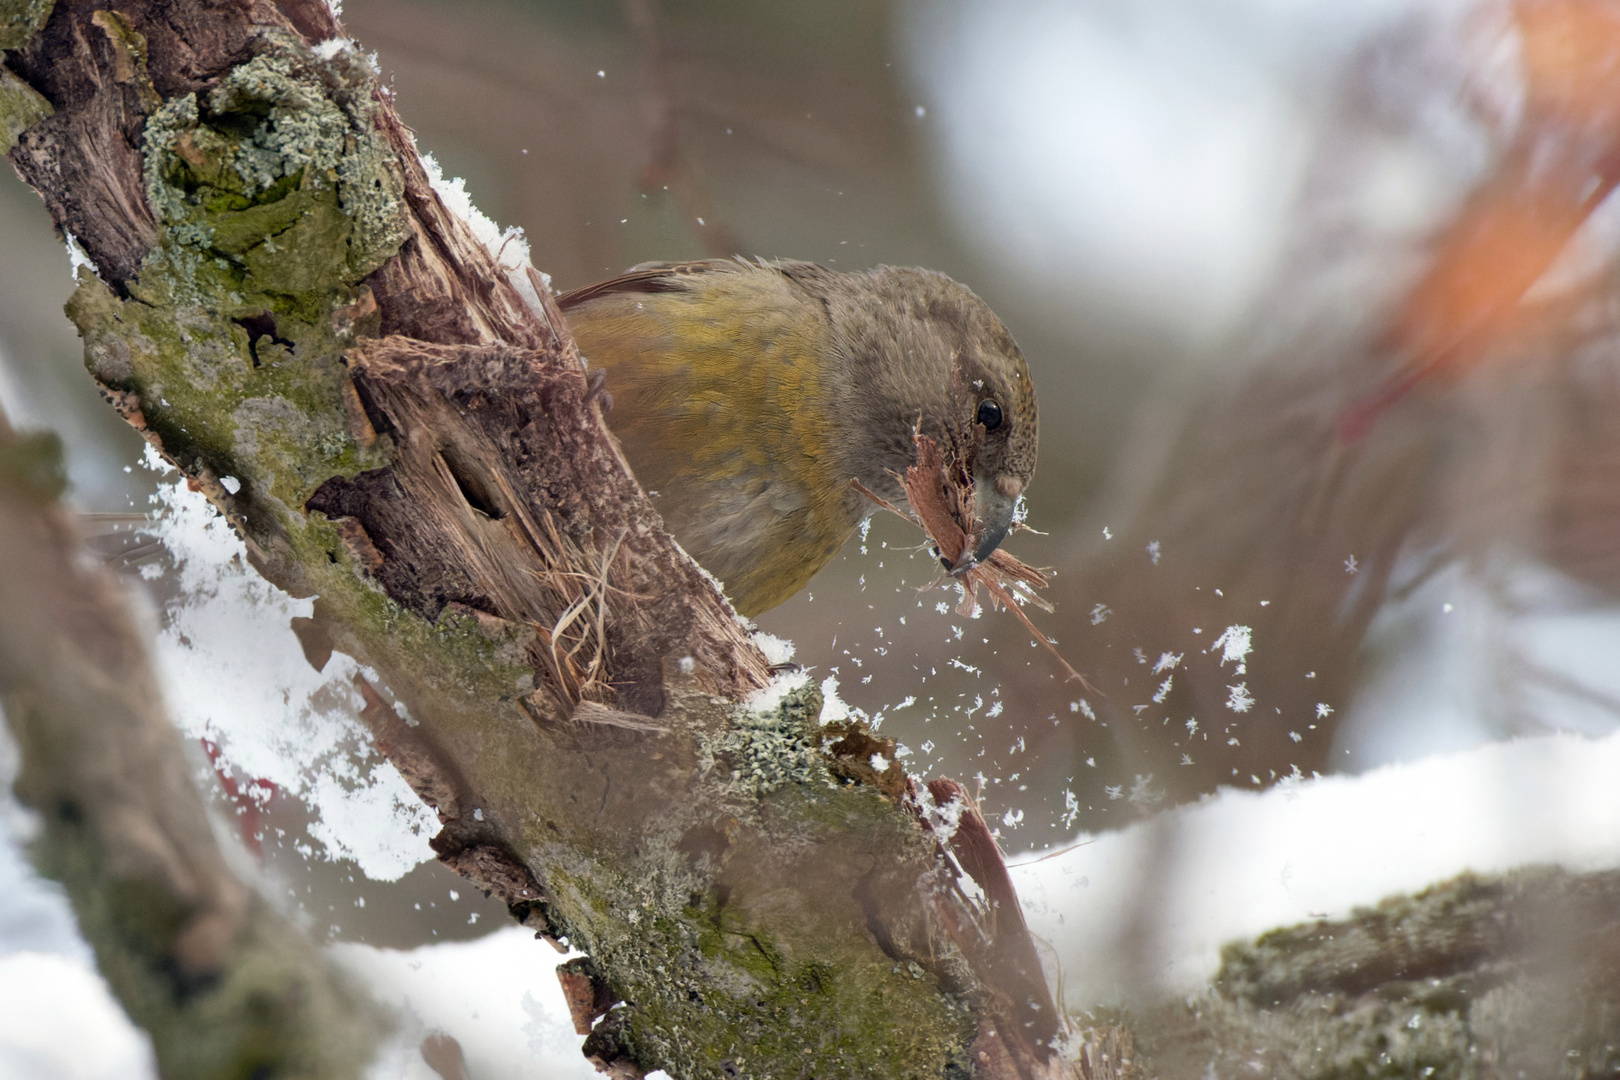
(941, 496)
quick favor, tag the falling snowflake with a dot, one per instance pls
(1071, 809)
(1099, 614)
(1153, 551)
(1323, 711)
(1143, 793)
(1238, 698)
(1291, 784)
(1350, 565)
(1236, 643)
(1166, 662)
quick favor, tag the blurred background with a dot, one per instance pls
(1319, 303)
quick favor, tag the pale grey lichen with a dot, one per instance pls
(309, 130)
(766, 750)
(303, 129)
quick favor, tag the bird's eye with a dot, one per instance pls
(989, 415)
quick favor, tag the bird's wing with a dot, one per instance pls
(716, 371)
(650, 277)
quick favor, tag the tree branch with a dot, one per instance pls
(390, 412)
(223, 984)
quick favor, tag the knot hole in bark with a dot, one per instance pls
(478, 492)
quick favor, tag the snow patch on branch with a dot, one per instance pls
(509, 247)
(235, 674)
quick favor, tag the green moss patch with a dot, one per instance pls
(274, 197)
(19, 19)
(21, 107)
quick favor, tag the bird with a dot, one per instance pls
(747, 395)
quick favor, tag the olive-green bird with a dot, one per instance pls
(747, 395)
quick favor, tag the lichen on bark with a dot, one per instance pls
(720, 901)
(19, 19)
(278, 172)
(274, 198)
(1472, 978)
(21, 107)
(395, 426)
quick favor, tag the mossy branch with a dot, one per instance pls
(393, 417)
(1474, 978)
(391, 413)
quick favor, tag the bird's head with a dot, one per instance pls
(925, 353)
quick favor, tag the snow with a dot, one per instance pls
(1137, 911)
(777, 650)
(1243, 862)
(508, 247)
(1124, 915)
(58, 1021)
(331, 46)
(768, 699)
(234, 673)
(496, 996)
(78, 257)
(833, 707)
(1236, 643)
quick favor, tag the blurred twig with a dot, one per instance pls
(223, 984)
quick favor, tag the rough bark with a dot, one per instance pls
(395, 421)
(223, 984)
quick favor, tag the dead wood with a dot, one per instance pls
(392, 415)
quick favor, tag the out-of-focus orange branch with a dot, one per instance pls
(1474, 300)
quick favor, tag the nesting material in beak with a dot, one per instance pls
(993, 513)
(943, 501)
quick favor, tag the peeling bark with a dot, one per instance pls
(395, 420)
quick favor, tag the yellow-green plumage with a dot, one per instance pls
(747, 395)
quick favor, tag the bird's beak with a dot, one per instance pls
(995, 513)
